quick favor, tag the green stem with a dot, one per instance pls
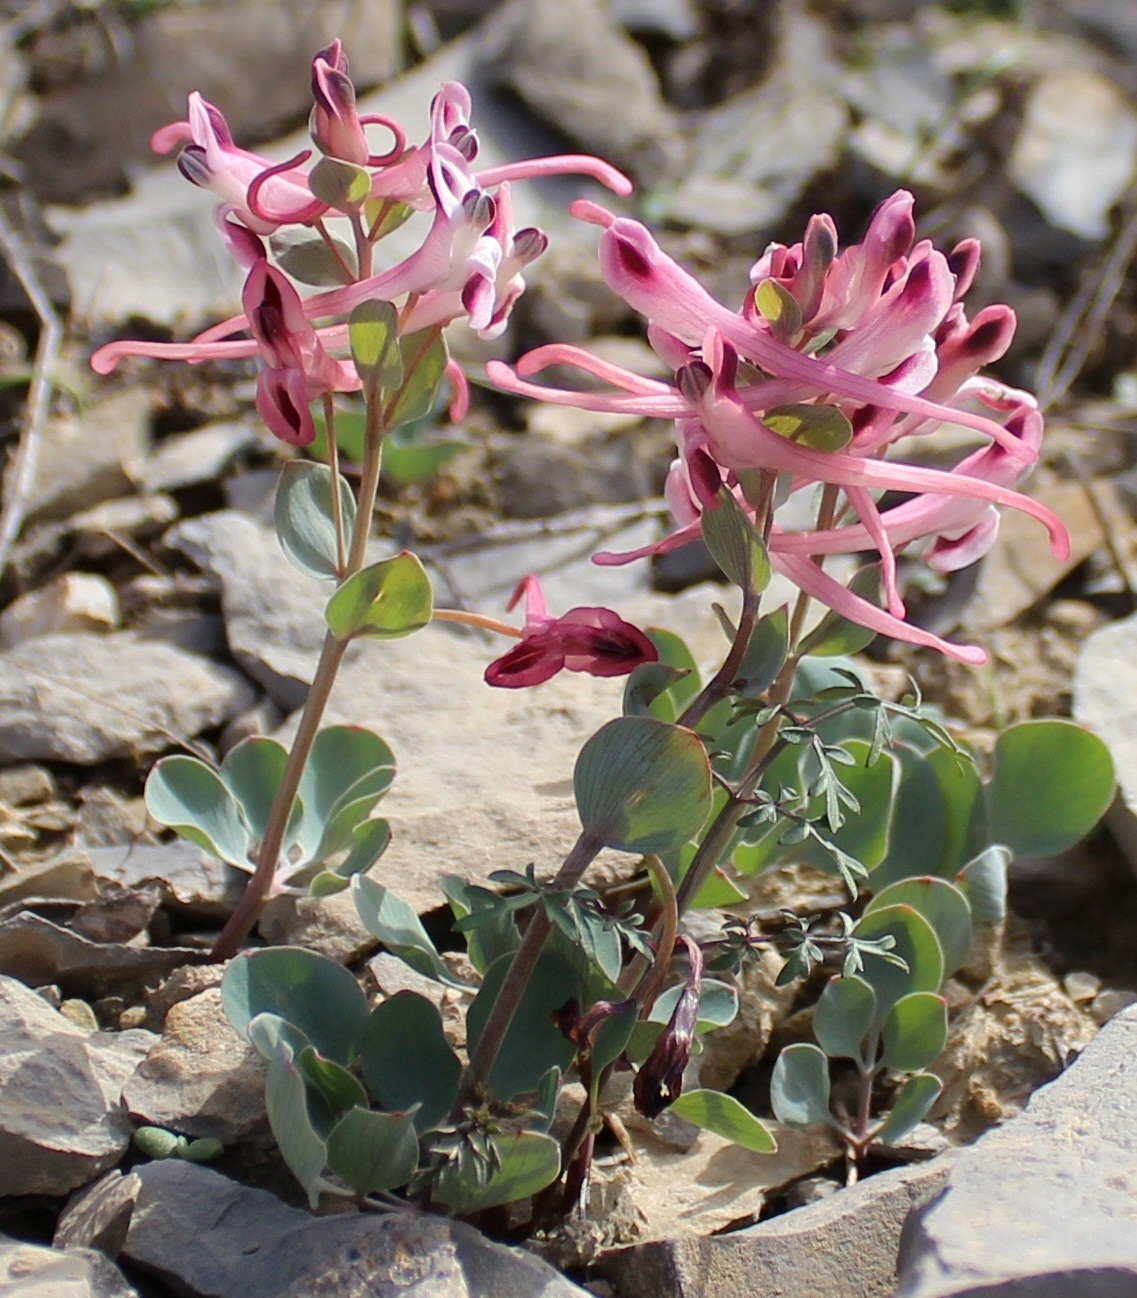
(334, 466)
(718, 687)
(331, 656)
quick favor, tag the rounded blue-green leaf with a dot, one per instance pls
(251, 772)
(914, 1032)
(347, 771)
(843, 1016)
(424, 357)
(983, 882)
(735, 544)
(339, 1088)
(916, 944)
(726, 1117)
(912, 1102)
(286, 1099)
(341, 185)
(373, 1151)
(318, 996)
(398, 927)
(718, 1004)
(527, 1161)
(1053, 782)
(385, 601)
(193, 800)
(533, 1044)
(407, 1060)
(943, 905)
(642, 785)
(799, 1086)
(304, 518)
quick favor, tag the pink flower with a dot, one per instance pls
(592, 640)
(877, 334)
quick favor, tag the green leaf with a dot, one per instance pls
(407, 1060)
(823, 428)
(347, 771)
(533, 1044)
(424, 358)
(943, 905)
(385, 215)
(396, 925)
(373, 332)
(492, 937)
(864, 834)
(779, 308)
(735, 544)
(266, 1032)
(545, 1105)
(373, 1151)
(983, 881)
(612, 1038)
(799, 1086)
(914, 1032)
(642, 785)
(341, 185)
(527, 1162)
(286, 1099)
(835, 636)
(303, 255)
(764, 656)
(251, 772)
(371, 840)
(919, 822)
(965, 809)
(913, 1101)
(318, 996)
(674, 653)
(1053, 782)
(726, 1117)
(193, 800)
(844, 1014)
(916, 944)
(387, 600)
(718, 1004)
(303, 517)
(409, 458)
(339, 1088)
(646, 693)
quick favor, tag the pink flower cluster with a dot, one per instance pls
(875, 332)
(469, 264)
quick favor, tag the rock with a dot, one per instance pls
(212, 1238)
(250, 57)
(678, 20)
(37, 950)
(61, 1123)
(190, 880)
(77, 601)
(1109, 1003)
(1021, 1030)
(541, 478)
(752, 156)
(85, 698)
(68, 876)
(329, 925)
(1076, 151)
(1045, 1205)
(1103, 18)
(570, 62)
(182, 985)
(842, 1245)
(1020, 568)
(85, 456)
(761, 1005)
(714, 1184)
(28, 1271)
(199, 456)
(201, 1079)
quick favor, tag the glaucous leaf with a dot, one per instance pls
(943, 905)
(373, 334)
(424, 357)
(983, 881)
(303, 517)
(674, 653)
(408, 1062)
(1053, 782)
(396, 925)
(843, 1016)
(912, 1103)
(373, 1151)
(647, 692)
(340, 1089)
(822, 428)
(318, 996)
(347, 772)
(919, 822)
(914, 1032)
(286, 1099)
(304, 256)
(726, 1117)
(385, 601)
(764, 656)
(642, 785)
(251, 771)
(192, 799)
(533, 1044)
(718, 1004)
(735, 544)
(493, 936)
(527, 1162)
(915, 943)
(340, 184)
(266, 1032)
(799, 1086)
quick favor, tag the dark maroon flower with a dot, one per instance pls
(659, 1082)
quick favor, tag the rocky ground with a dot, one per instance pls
(147, 608)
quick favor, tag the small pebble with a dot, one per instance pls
(80, 1013)
(1110, 1002)
(134, 1016)
(51, 993)
(1081, 986)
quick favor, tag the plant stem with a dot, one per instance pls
(718, 687)
(521, 970)
(334, 465)
(462, 618)
(331, 655)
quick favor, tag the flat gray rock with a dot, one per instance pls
(842, 1246)
(1047, 1204)
(85, 698)
(212, 1238)
(61, 1122)
(29, 1271)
